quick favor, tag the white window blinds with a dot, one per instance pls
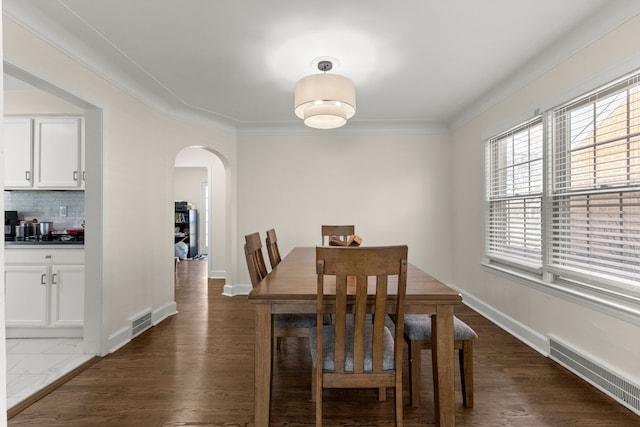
(595, 211)
(515, 187)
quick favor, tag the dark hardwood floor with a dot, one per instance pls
(196, 369)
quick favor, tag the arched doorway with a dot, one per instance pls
(204, 172)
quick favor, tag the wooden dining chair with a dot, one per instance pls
(272, 248)
(417, 334)
(355, 352)
(255, 260)
(343, 232)
(284, 325)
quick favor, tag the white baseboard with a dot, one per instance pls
(159, 314)
(122, 337)
(610, 382)
(58, 332)
(533, 339)
(119, 339)
(239, 289)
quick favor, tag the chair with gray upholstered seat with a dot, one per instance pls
(284, 325)
(355, 352)
(417, 334)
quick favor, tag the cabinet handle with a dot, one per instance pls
(75, 175)
(27, 175)
(43, 279)
(53, 279)
(83, 175)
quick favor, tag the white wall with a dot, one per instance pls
(535, 314)
(395, 189)
(35, 101)
(186, 184)
(139, 149)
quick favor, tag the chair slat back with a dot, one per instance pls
(272, 248)
(255, 260)
(361, 286)
(341, 231)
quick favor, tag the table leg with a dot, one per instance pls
(262, 370)
(442, 354)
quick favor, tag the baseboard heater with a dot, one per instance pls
(140, 324)
(620, 389)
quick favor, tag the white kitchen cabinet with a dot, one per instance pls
(44, 153)
(58, 148)
(44, 292)
(18, 152)
(67, 298)
(26, 295)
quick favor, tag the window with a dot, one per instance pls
(563, 197)
(515, 196)
(595, 194)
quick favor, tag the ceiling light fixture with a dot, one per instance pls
(325, 101)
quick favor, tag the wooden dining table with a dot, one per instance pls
(291, 287)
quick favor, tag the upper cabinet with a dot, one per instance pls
(18, 152)
(58, 147)
(44, 153)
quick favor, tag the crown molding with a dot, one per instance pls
(352, 126)
(151, 93)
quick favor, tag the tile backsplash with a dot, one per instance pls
(45, 206)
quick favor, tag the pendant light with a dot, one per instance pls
(325, 101)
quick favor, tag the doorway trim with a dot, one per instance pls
(95, 321)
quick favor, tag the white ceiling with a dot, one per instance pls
(415, 63)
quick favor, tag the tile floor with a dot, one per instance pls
(34, 363)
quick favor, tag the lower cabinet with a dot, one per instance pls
(44, 292)
(26, 295)
(67, 298)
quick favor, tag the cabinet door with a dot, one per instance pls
(26, 295)
(58, 150)
(67, 295)
(18, 152)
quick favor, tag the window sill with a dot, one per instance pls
(624, 307)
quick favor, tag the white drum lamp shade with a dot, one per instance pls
(325, 101)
